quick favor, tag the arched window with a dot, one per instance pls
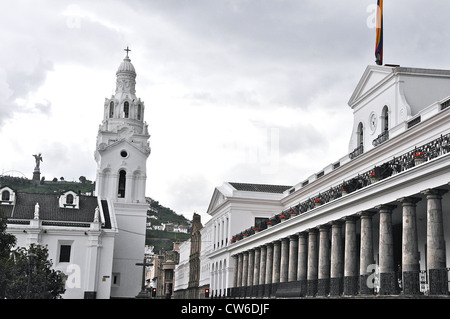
(385, 118)
(111, 109)
(360, 135)
(139, 111)
(69, 199)
(126, 109)
(5, 195)
(122, 180)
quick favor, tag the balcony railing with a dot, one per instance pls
(383, 137)
(358, 151)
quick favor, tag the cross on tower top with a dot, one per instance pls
(128, 50)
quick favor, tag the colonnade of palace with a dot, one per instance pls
(321, 262)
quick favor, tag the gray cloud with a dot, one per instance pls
(303, 137)
(18, 83)
(68, 161)
(190, 193)
(44, 107)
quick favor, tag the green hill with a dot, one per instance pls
(165, 214)
(163, 240)
(25, 185)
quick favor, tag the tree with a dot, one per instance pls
(33, 276)
(7, 242)
(82, 179)
(27, 273)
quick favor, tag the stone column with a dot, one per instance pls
(436, 257)
(212, 280)
(302, 264)
(284, 262)
(235, 276)
(240, 264)
(293, 258)
(312, 274)
(350, 257)
(366, 254)
(323, 283)
(262, 272)
(128, 188)
(257, 266)
(337, 260)
(219, 277)
(388, 285)
(276, 262)
(245, 269)
(410, 247)
(251, 270)
(269, 270)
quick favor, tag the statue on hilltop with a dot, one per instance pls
(38, 159)
(37, 171)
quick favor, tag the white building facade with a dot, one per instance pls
(233, 207)
(380, 212)
(182, 268)
(79, 232)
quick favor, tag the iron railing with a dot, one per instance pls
(358, 151)
(383, 137)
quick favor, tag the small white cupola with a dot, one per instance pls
(69, 199)
(7, 196)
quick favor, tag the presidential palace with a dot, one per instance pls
(374, 222)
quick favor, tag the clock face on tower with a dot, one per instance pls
(373, 122)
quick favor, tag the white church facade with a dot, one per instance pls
(96, 240)
(78, 230)
(375, 221)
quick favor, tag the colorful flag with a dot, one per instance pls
(379, 40)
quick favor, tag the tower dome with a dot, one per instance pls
(126, 79)
(126, 66)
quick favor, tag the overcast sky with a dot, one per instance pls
(250, 91)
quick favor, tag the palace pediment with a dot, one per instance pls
(372, 79)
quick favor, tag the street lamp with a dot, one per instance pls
(31, 257)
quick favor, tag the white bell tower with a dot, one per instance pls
(121, 154)
(122, 142)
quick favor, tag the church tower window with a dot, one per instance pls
(122, 179)
(139, 111)
(126, 109)
(111, 109)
